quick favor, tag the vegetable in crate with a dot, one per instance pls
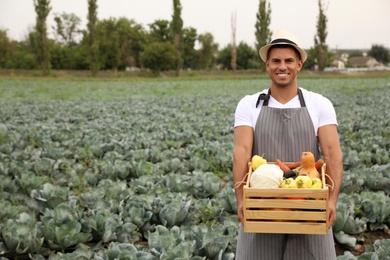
(316, 183)
(266, 176)
(303, 181)
(294, 165)
(289, 183)
(308, 166)
(290, 174)
(257, 160)
(319, 163)
(287, 171)
(282, 166)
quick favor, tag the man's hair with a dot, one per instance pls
(283, 46)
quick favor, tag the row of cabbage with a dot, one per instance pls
(151, 178)
(107, 179)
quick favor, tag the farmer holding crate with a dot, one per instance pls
(281, 122)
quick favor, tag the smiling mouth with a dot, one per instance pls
(282, 74)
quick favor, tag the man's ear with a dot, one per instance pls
(266, 65)
(300, 65)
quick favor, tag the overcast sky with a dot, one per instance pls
(352, 24)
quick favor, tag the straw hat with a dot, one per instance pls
(282, 37)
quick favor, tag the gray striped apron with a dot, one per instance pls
(284, 134)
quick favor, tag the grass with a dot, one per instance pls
(27, 88)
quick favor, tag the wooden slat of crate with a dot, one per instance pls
(285, 203)
(287, 193)
(282, 215)
(280, 210)
(286, 227)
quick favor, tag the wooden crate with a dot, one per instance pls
(286, 210)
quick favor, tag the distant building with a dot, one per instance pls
(338, 64)
(363, 62)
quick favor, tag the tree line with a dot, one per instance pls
(120, 43)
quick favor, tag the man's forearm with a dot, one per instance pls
(334, 166)
(240, 169)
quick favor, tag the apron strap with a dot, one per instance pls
(265, 98)
(301, 100)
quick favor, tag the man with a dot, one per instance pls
(281, 123)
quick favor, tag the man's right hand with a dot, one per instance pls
(240, 212)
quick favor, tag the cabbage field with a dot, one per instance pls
(116, 169)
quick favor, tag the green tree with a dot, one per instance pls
(246, 56)
(42, 8)
(177, 27)
(80, 54)
(263, 33)
(160, 31)
(159, 56)
(59, 56)
(380, 53)
(190, 54)
(25, 53)
(5, 48)
(132, 38)
(63, 57)
(224, 59)
(311, 61)
(63, 49)
(67, 28)
(121, 42)
(22, 54)
(207, 51)
(321, 49)
(109, 49)
(92, 37)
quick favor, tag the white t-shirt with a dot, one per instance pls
(320, 109)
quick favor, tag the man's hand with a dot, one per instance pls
(331, 213)
(240, 212)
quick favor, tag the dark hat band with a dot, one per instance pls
(283, 41)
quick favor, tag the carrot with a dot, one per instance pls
(282, 166)
(294, 165)
(319, 164)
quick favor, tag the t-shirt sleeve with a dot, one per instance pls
(242, 116)
(327, 113)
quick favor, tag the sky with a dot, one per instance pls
(352, 24)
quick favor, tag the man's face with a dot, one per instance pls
(283, 65)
